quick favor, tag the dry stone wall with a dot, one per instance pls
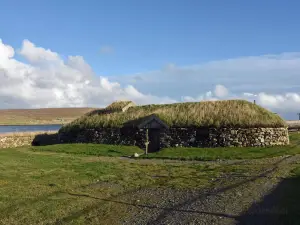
(173, 137)
(12, 140)
(113, 136)
(255, 137)
(186, 137)
(224, 137)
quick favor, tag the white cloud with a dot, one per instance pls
(6, 52)
(287, 105)
(37, 54)
(78, 63)
(208, 96)
(170, 67)
(106, 49)
(221, 91)
(49, 81)
(249, 94)
(245, 77)
(267, 73)
(289, 102)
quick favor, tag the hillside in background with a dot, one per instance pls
(41, 116)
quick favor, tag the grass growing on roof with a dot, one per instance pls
(113, 107)
(229, 113)
(118, 105)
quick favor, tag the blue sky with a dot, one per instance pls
(146, 35)
(151, 51)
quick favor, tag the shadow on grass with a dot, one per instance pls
(165, 211)
(201, 197)
(281, 206)
(45, 139)
(84, 211)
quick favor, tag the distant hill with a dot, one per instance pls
(41, 116)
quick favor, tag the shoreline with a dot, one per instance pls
(46, 124)
(27, 133)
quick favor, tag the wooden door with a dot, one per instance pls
(154, 139)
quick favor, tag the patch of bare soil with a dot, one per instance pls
(229, 202)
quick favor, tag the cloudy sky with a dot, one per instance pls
(92, 53)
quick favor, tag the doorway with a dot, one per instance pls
(154, 139)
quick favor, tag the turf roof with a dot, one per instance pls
(119, 105)
(113, 107)
(227, 113)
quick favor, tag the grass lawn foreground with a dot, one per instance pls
(71, 184)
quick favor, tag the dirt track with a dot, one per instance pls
(237, 200)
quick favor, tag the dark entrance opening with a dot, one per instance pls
(154, 136)
(153, 126)
(202, 136)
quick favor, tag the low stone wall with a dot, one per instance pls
(185, 137)
(174, 137)
(11, 140)
(113, 136)
(253, 137)
(224, 137)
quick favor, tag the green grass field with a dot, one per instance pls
(91, 149)
(55, 188)
(78, 184)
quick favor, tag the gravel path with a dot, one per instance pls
(233, 203)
